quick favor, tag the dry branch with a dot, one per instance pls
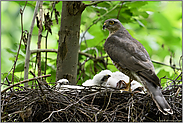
(24, 81)
(26, 67)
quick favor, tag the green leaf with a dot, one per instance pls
(19, 67)
(11, 51)
(31, 4)
(163, 22)
(136, 4)
(4, 75)
(106, 4)
(100, 10)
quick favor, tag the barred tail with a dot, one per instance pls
(158, 98)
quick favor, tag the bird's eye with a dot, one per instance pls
(111, 22)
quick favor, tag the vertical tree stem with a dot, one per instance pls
(69, 33)
(39, 38)
(26, 67)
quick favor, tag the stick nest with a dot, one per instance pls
(108, 105)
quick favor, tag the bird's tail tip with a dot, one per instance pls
(169, 110)
(166, 111)
(164, 108)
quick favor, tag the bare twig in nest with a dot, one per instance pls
(108, 101)
(70, 105)
(178, 90)
(108, 105)
(24, 81)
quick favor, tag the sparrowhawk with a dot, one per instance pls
(130, 57)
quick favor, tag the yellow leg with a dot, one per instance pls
(129, 85)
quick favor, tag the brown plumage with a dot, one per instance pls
(130, 57)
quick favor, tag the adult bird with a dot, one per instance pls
(130, 57)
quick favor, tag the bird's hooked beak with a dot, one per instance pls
(104, 79)
(104, 26)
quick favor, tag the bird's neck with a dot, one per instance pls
(112, 32)
(119, 29)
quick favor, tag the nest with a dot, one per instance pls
(91, 105)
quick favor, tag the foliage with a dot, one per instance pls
(157, 25)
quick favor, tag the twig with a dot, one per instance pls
(174, 80)
(90, 56)
(108, 101)
(8, 74)
(70, 105)
(38, 55)
(166, 65)
(85, 114)
(93, 3)
(120, 9)
(26, 67)
(82, 68)
(43, 50)
(177, 92)
(44, 99)
(21, 13)
(46, 41)
(24, 81)
(55, 51)
(38, 82)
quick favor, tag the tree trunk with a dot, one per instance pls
(69, 33)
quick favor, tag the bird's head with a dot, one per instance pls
(116, 83)
(105, 78)
(112, 25)
(100, 78)
(63, 81)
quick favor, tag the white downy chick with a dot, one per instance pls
(88, 82)
(115, 83)
(98, 79)
(137, 87)
(102, 77)
(61, 82)
(69, 87)
(63, 85)
(120, 76)
(118, 80)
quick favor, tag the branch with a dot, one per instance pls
(24, 81)
(46, 40)
(93, 57)
(166, 65)
(38, 55)
(173, 81)
(21, 13)
(55, 51)
(120, 9)
(39, 84)
(43, 50)
(93, 3)
(26, 67)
